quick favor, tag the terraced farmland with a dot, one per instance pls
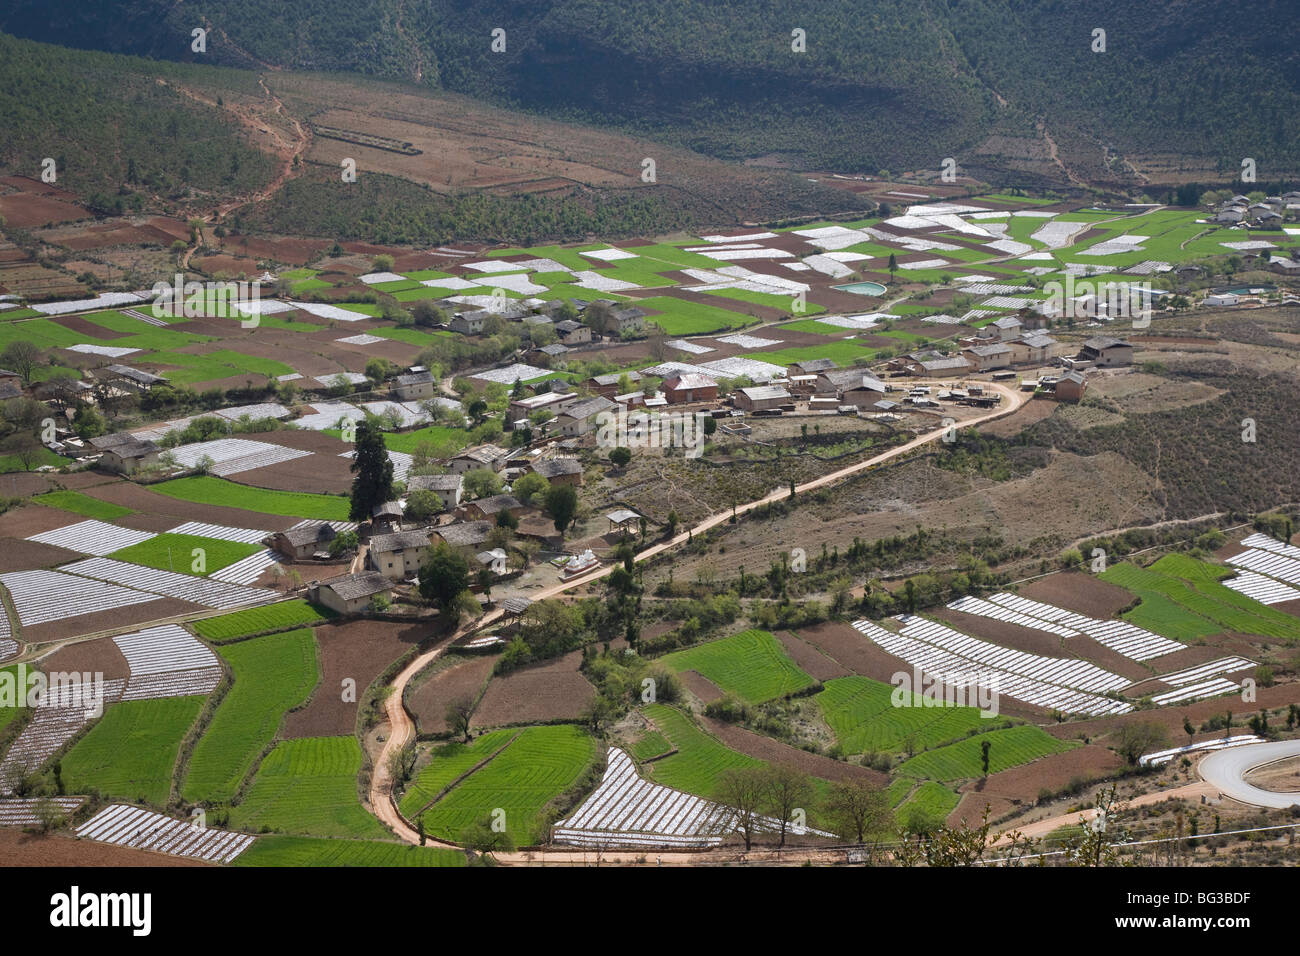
(963, 760)
(207, 490)
(449, 762)
(699, 758)
(537, 766)
(176, 552)
(256, 620)
(308, 786)
(307, 851)
(861, 713)
(78, 503)
(752, 665)
(272, 674)
(1180, 594)
(130, 754)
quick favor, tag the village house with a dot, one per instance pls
(125, 454)
(398, 555)
(581, 418)
(608, 385)
(521, 409)
(414, 386)
(1107, 351)
(686, 387)
(298, 544)
(464, 534)
(485, 509)
(491, 457)
(983, 358)
(572, 333)
(837, 381)
(1007, 328)
(468, 323)
(1071, 386)
(811, 367)
(386, 517)
(447, 487)
(1032, 348)
(351, 593)
(630, 321)
(760, 398)
(558, 471)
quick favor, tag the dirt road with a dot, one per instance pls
(402, 728)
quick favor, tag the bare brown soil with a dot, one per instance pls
(107, 620)
(1280, 777)
(95, 657)
(28, 520)
(1018, 788)
(23, 849)
(555, 690)
(1080, 592)
(810, 660)
(356, 650)
(140, 498)
(19, 555)
(773, 751)
(700, 686)
(25, 210)
(428, 702)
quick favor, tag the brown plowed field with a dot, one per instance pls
(96, 657)
(19, 555)
(1076, 591)
(428, 702)
(810, 660)
(118, 617)
(700, 686)
(25, 521)
(773, 751)
(23, 849)
(359, 650)
(551, 691)
(134, 496)
(1018, 787)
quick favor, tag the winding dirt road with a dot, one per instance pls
(401, 728)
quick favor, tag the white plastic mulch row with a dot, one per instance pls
(1266, 543)
(1272, 563)
(1067, 672)
(44, 596)
(157, 650)
(629, 810)
(92, 537)
(1263, 589)
(400, 459)
(8, 648)
(940, 664)
(749, 341)
(221, 532)
(1164, 756)
(108, 351)
(145, 317)
(184, 587)
(361, 339)
(694, 348)
(1203, 671)
(511, 374)
(322, 311)
(993, 288)
(23, 812)
(124, 825)
(982, 608)
(1133, 642)
(230, 456)
(339, 526)
(52, 725)
(246, 570)
(1211, 688)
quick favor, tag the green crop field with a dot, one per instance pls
(207, 490)
(683, 317)
(861, 713)
(1010, 748)
(1182, 598)
(131, 752)
(306, 851)
(177, 552)
(78, 503)
(752, 664)
(308, 786)
(272, 674)
(932, 801)
(9, 714)
(649, 745)
(538, 765)
(699, 758)
(448, 762)
(255, 620)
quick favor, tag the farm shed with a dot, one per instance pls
(624, 519)
(982, 358)
(812, 367)
(350, 593)
(607, 385)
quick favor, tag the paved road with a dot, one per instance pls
(1225, 769)
(401, 728)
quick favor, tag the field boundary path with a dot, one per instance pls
(402, 727)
